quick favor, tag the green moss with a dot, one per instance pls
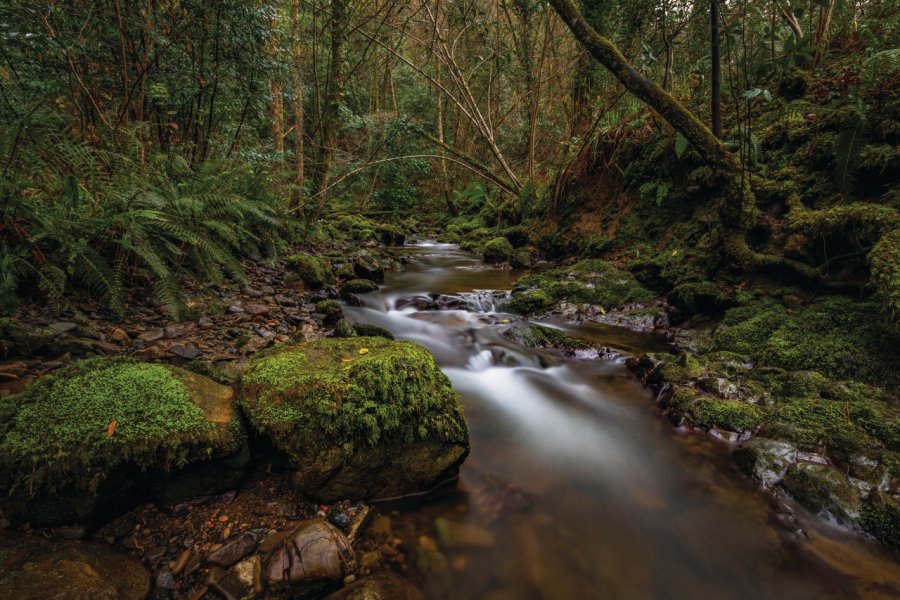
(332, 310)
(497, 250)
(530, 302)
(884, 261)
(54, 434)
(357, 228)
(880, 516)
(343, 329)
(815, 422)
(822, 488)
(532, 335)
(366, 330)
(521, 259)
(312, 270)
(682, 369)
(359, 286)
(748, 335)
(728, 414)
(306, 396)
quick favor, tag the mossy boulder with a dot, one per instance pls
(358, 286)
(21, 339)
(689, 406)
(367, 266)
(881, 517)
(532, 335)
(529, 302)
(497, 250)
(766, 460)
(78, 442)
(343, 329)
(312, 270)
(822, 488)
(367, 330)
(364, 417)
(521, 259)
(332, 310)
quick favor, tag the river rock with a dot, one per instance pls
(78, 444)
(233, 550)
(314, 555)
(454, 534)
(225, 584)
(358, 286)
(20, 339)
(367, 267)
(766, 460)
(37, 569)
(822, 488)
(384, 585)
(362, 417)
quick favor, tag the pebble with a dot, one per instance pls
(165, 580)
(178, 565)
(186, 352)
(151, 335)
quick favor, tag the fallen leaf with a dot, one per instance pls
(363, 350)
(111, 428)
(346, 360)
(602, 311)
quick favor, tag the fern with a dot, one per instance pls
(681, 145)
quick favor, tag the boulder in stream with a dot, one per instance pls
(76, 445)
(307, 560)
(32, 568)
(361, 418)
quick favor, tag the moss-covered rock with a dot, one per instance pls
(73, 440)
(521, 259)
(533, 335)
(366, 266)
(367, 330)
(343, 329)
(880, 516)
(529, 302)
(364, 417)
(884, 260)
(314, 271)
(332, 310)
(823, 489)
(766, 460)
(497, 250)
(21, 339)
(358, 286)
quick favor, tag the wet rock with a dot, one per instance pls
(249, 572)
(358, 286)
(384, 585)
(454, 534)
(881, 517)
(331, 311)
(367, 267)
(233, 550)
(19, 339)
(285, 300)
(226, 585)
(152, 556)
(343, 329)
(314, 555)
(418, 441)
(823, 489)
(366, 330)
(358, 517)
(37, 569)
(766, 460)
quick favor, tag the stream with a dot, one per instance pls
(576, 486)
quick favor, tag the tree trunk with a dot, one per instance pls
(716, 77)
(335, 88)
(297, 75)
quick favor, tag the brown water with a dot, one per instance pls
(578, 488)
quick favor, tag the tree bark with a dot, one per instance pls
(335, 87)
(297, 76)
(716, 59)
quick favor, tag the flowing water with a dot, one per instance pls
(576, 487)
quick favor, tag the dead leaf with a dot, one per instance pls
(346, 360)
(111, 429)
(363, 350)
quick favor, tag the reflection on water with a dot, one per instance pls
(586, 491)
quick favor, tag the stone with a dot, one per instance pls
(165, 580)
(358, 286)
(62, 327)
(234, 549)
(454, 534)
(226, 585)
(418, 440)
(248, 572)
(285, 300)
(823, 489)
(19, 339)
(766, 460)
(165, 421)
(497, 250)
(315, 554)
(367, 267)
(256, 309)
(36, 569)
(384, 585)
(151, 335)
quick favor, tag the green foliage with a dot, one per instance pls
(55, 434)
